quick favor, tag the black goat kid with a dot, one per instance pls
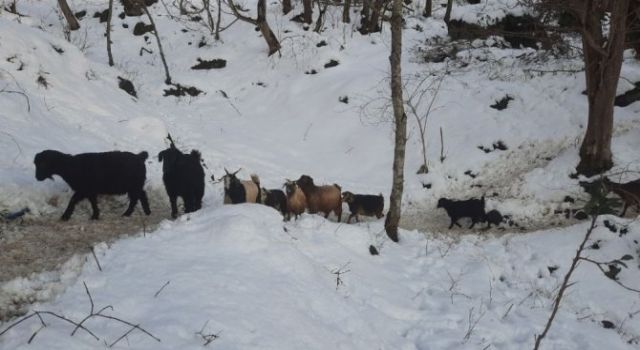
(470, 208)
(91, 174)
(183, 176)
(276, 199)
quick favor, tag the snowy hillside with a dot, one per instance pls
(258, 283)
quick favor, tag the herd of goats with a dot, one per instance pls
(111, 173)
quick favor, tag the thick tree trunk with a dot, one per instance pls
(395, 201)
(68, 15)
(286, 6)
(447, 13)
(307, 11)
(603, 60)
(428, 7)
(364, 16)
(374, 20)
(109, 54)
(272, 40)
(346, 18)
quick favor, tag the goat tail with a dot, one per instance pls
(338, 187)
(255, 179)
(143, 155)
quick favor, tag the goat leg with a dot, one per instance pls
(133, 200)
(174, 206)
(94, 207)
(145, 202)
(71, 207)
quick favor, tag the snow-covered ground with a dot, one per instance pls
(260, 283)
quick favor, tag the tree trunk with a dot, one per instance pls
(320, 20)
(217, 34)
(133, 7)
(272, 40)
(307, 12)
(167, 79)
(346, 18)
(374, 20)
(109, 54)
(395, 201)
(68, 15)
(286, 6)
(427, 9)
(210, 22)
(364, 16)
(603, 60)
(447, 13)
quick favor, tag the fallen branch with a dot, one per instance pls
(565, 283)
(80, 325)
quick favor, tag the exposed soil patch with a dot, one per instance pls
(44, 243)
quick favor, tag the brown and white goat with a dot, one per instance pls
(296, 200)
(323, 199)
(628, 191)
(241, 191)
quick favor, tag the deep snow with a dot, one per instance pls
(263, 284)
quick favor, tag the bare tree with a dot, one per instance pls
(428, 8)
(322, 8)
(346, 18)
(395, 201)
(447, 13)
(155, 32)
(68, 15)
(109, 33)
(261, 23)
(413, 102)
(364, 16)
(286, 6)
(376, 12)
(307, 11)
(603, 55)
(603, 44)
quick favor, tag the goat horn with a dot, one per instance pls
(236, 171)
(227, 171)
(173, 145)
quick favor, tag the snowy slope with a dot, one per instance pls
(263, 284)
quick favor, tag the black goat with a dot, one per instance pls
(275, 199)
(493, 217)
(183, 176)
(470, 208)
(363, 204)
(91, 174)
